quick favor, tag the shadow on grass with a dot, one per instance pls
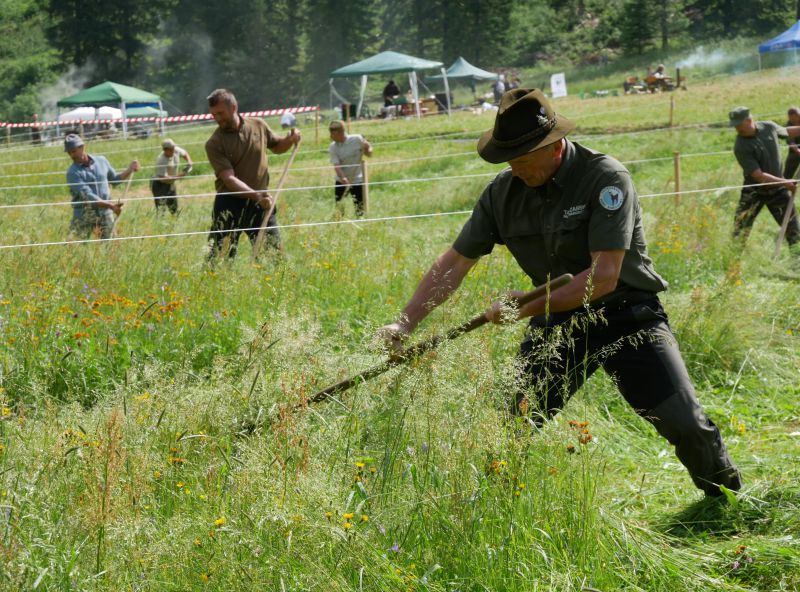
(774, 512)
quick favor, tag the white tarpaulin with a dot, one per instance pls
(90, 113)
(558, 85)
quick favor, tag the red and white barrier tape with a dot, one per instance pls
(170, 119)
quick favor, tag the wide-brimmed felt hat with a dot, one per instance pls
(525, 121)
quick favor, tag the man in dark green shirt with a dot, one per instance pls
(562, 208)
(758, 151)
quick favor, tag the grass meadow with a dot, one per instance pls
(147, 433)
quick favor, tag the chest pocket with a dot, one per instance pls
(524, 239)
(758, 152)
(572, 241)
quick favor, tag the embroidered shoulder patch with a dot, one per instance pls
(611, 197)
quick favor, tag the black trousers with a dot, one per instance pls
(634, 344)
(750, 204)
(233, 215)
(165, 195)
(356, 190)
(790, 166)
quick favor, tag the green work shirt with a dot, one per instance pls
(762, 151)
(244, 150)
(589, 205)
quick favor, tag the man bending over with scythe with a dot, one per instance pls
(88, 177)
(237, 152)
(562, 208)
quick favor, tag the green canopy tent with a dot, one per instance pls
(389, 62)
(113, 94)
(463, 70)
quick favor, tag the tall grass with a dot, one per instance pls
(148, 442)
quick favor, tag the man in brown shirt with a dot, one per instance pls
(237, 153)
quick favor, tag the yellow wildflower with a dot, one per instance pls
(347, 526)
(364, 518)
(205, 578)
(219, 521)
(348, 516)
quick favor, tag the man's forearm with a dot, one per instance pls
(240, 188)
(284, 144)
(339, 172)
(591, 284)
(768, 180)
(441, 280)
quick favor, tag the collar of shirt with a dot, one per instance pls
(89, 162)
(567, 159)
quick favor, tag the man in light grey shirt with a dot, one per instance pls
(167, 172)
(347, 152)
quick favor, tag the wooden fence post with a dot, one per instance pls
(365, 186)
(671, 108)
(676, 158)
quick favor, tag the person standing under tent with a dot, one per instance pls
(390, 92)
(167, 172)
(88, 177)
(237, 153)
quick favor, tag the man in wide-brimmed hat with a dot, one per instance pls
(562, 208)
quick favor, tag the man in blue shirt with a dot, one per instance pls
(88, 177)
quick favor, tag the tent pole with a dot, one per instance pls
(446, 90)
(412, 76)
(124, 121)
(161, 117)
(361, 95)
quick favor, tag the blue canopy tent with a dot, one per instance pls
(788, 40)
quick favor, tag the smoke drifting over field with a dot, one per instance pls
(73, 81)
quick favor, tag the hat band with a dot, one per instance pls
(538, 133)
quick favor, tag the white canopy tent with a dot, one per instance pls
(90, 114)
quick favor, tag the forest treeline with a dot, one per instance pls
(280, 52)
